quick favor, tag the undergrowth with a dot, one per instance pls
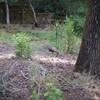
(61, 35)
(22, 45)
(4, 36)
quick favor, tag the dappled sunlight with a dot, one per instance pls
(6, 56)
(53, 60)
(42, 58)
(9, 53)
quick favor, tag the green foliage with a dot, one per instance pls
(73, 6)
(5, 36)
(78, 24)
(35, 95)
(64, 36)
(52, 93)
(44, 86)
(61, 7)
(70, 38)
(22, 43)
(66, 39)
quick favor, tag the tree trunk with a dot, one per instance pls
(89, 55)
(34, 14)
(7, 12)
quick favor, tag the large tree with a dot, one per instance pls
(89, 55)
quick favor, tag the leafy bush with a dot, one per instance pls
(69, 34)
(22, 43)
(66, 36)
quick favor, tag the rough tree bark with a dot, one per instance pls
(89, 55)
(7, 12)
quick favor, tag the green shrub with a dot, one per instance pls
(69, 34)
(52, 92)
(66, 39)
(22, 44)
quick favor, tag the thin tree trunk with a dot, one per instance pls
(7, 12)
(89, 55)
(34, 14)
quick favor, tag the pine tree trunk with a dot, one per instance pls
(7, 12)
(89, 55)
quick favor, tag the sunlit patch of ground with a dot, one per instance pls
(41, 58)
(6, 56)
(54, 60)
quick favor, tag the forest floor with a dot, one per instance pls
(74, 85)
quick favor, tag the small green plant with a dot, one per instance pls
(52, 93)
(35, 95)
(22, 44)
(69, 34)
(44, 86)
(66, 39)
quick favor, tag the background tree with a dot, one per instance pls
(7, 2)
(34, 14)
(60, 8)
(7, 12)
